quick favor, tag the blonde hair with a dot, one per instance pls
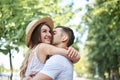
(24, 65)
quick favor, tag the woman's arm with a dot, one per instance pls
(48, 49)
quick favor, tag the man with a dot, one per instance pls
(58, 67)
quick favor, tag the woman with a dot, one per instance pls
(38, 38)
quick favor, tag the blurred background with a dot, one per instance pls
(96, 24)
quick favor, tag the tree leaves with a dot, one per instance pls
(16, 14)
(103, 22)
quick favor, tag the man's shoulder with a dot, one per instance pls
(56, 66)
(58, 57)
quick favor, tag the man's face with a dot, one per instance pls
(57, 36)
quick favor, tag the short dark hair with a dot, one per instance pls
(70, 34)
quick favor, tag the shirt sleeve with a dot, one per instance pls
(52, 67)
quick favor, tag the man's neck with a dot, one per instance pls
(61, 46)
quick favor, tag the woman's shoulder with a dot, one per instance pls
(41, 47)
(40, 51)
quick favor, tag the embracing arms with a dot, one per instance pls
(47, 49)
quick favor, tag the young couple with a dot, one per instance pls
(50, 56)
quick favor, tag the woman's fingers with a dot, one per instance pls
(72, 53)
(69, 52)
(32, 74)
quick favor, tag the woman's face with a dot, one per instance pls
(46, 35)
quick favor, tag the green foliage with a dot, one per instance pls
(1, 68)
(104, 30)
(16, 14)
(83, 65)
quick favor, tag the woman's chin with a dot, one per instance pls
(47, 42)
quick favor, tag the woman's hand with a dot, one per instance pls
(73, 55)
(27, 78)
(30, 76)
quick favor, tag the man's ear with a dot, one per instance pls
(64, 38)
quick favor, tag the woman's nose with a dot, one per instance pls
(49, 34)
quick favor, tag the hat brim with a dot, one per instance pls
(32, 25)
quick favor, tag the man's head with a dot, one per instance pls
(64, 35)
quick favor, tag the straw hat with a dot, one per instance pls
(33, 24)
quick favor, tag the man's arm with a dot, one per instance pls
(38, 76)
(41, 76)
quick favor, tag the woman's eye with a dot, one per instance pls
(43, 30)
